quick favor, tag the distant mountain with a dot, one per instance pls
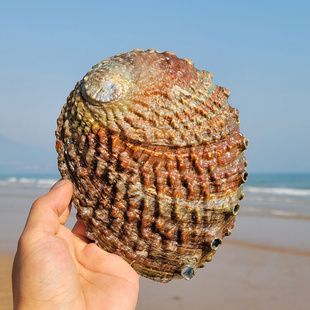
(16, 157)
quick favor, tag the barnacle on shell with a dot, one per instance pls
(156, 157)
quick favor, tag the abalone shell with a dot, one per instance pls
(157, 161)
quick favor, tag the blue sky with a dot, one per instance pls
(259, 50)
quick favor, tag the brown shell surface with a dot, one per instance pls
(156, 157)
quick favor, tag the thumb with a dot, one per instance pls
(51, 210)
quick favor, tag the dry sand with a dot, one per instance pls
(241, 276)
(264, 264)
(6, 302)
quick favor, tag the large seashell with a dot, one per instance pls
(156, 158)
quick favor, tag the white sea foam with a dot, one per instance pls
(278, 191)
(46, 182)
(28, 182)
(8, 181)
(12, 180)
(281, 213)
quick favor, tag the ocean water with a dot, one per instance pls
(277, 194)
(281, 184)
(28, 180)
(282, 196)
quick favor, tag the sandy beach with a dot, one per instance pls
(264, 264)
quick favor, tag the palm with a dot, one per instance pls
(102, 276)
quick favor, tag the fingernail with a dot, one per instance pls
(58, 184)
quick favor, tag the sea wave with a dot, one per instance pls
(47, 182)
(28, 182)
(278, 191)
(275, 212)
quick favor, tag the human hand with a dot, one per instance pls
(55, 268)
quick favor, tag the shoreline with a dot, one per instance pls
(264, 264)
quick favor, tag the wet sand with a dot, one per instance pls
(264, 264)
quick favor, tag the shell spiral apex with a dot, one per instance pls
(157, 161)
